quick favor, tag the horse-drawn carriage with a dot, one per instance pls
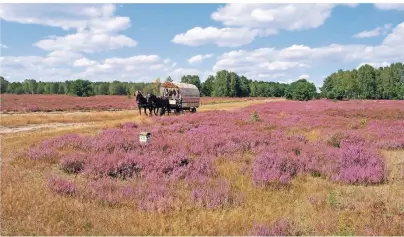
(174, 96)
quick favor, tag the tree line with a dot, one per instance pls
(366, 82)
(230, 84)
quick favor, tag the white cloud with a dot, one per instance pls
(3, 46)
(390, 6)
(373, 33)
(84, 62)
(245, 21)
(66, 16)
(273, 16)
(97, 27)
(179, 72)
(305, 76)
(199, 58)
(396, 38)
(294, 61)
(224, 37)
(375, 65)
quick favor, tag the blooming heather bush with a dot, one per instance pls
(62, 186)
(184, 149)
(280, 227)
(128, 125)
(274, 167)
(155, 196)
(360, 165)
(42, 153)
(391, 144)
(72, 163)
(217, 194)
(105, 190)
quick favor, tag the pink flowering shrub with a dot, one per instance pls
(62, 186)
(216, 194)
(105, 190)
(360, 165)
(274, 166)
(280, 227)
(72, 163)
(291, 138)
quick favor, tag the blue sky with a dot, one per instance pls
(142, 42)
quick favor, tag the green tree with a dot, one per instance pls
(62, 89)
(192, 79)
(54, 88)
(234, 85)
(222, 83)
(366, 82)
(168, 79)
(207, 86)
(3, 85)
(82, 88)
(301, 90)
(244, 87)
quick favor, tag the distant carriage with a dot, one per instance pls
(174, 96)
(184, 96)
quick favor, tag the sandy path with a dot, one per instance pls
(5, 130)
(90, 118)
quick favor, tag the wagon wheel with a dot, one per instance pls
(193, 110)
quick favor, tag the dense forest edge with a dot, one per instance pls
(366, 82)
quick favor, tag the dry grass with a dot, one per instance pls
(28, 208)
(318, 207)
(16, 120)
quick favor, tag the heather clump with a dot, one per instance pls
(274, 166)
(128, 125)
(115, 165)
(360, 165)
(155, 196)
(396, 144)
(280, 227)
(105, 190)
(62, 186)
(72, 163)
(291, 138)
(215, 194)
(43, 152)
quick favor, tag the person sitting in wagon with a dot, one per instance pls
(178, 95)
(165, 94)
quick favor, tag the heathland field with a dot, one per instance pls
(256, 167)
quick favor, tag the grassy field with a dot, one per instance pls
(11, 103)
(305, 204)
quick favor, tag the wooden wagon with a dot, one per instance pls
(181, 96)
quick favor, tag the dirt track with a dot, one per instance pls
(42, 120)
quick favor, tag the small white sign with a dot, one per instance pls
(144, 137)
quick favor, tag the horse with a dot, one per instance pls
(142, 102)
(158, 103)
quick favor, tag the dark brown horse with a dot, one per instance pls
(142, 102)
(158, 103)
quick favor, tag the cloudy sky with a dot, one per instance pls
(141, 42)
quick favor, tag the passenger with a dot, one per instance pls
(170, 93)
(165, 92)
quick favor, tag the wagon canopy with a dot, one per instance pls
(186, 90)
